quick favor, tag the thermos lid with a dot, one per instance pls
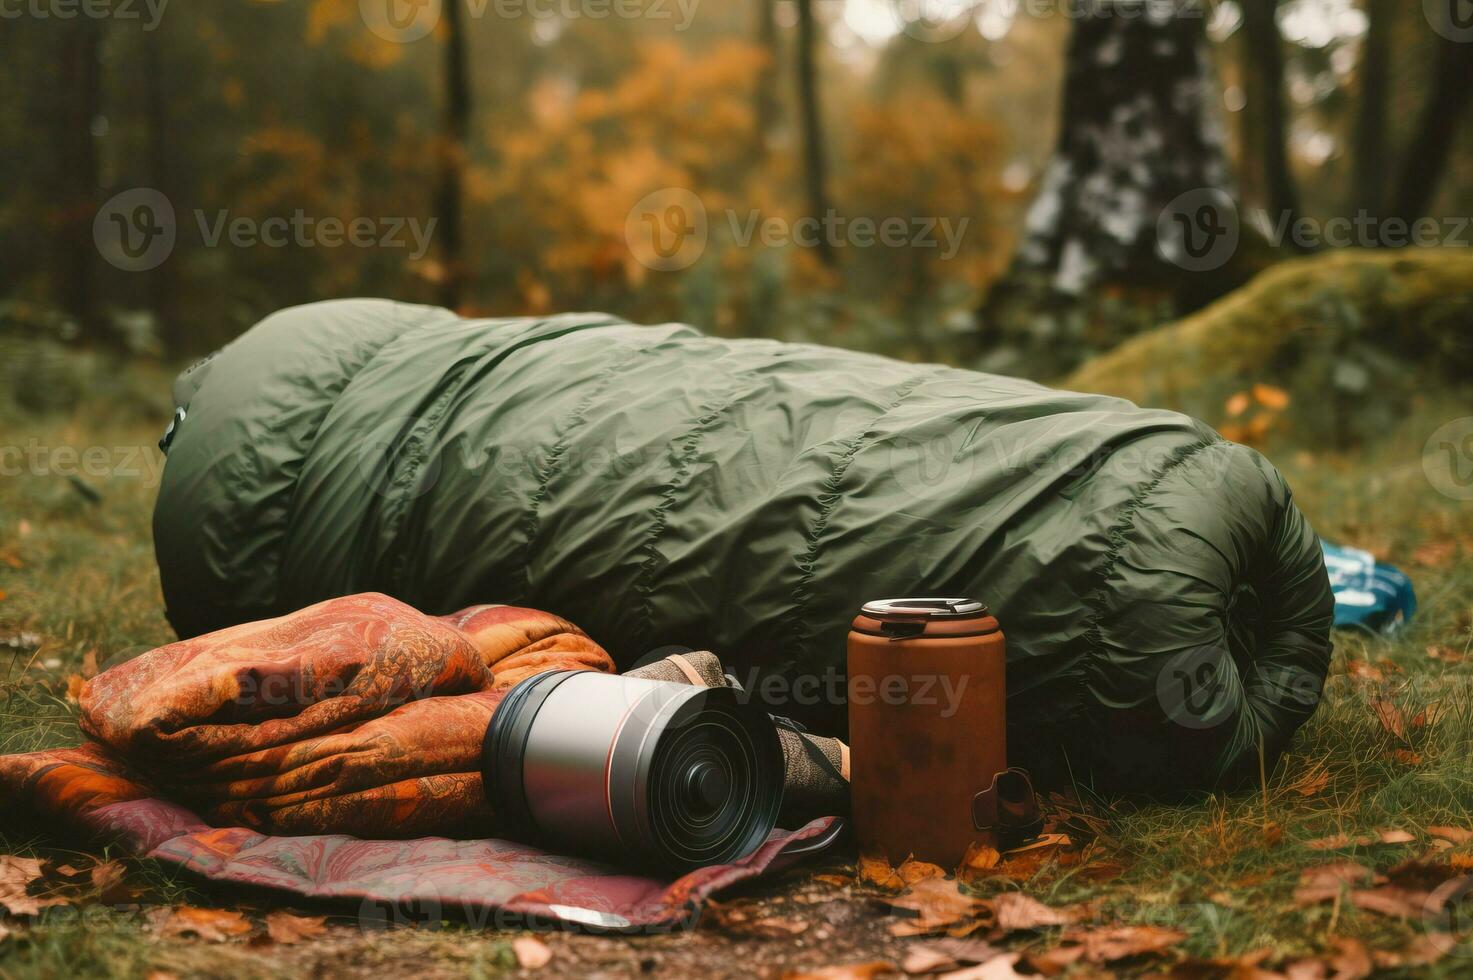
(927, 608)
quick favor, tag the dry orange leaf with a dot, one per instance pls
(1394, 835)
(979, 862)
(211, 925)
(875, 869)
(1390, 717)
(1236, 405)
(288, 929)
(1455, 834)
(837, 881)
(1407, 757)
(1110, 943)
(16, 877)
(1016, 911)
(531, 952)
(934, 904)
(1313, 783)
(913, 871)
(941, 955)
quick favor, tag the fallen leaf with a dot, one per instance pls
(1053, 961)
(1016, 911)
(979, 861)
(1363, 670)
(89, 664)
(1393, 901)
(1407, 757)
(875, 869)
(1435, 554)
(1236, 405)
(1111, 943)
(1351, 961)
(17, 875)
(1455, 834)
(940, 955)
(847, 971)
(211, 925)
(531, 952)
(1390, 717)
(1446, 655)
(161, 975)
(1394, 835)
(288, 929)
(1312, 783)
(1324, 882)
(1001, 967)
(110, 880)
(913, 871)
(933, 905)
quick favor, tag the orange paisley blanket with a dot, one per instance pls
(357, 716)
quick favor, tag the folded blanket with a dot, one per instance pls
(359, 715)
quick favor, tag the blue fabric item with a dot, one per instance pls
(1368, 593)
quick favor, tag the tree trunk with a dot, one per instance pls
(765, 103)
(77, 162)
(1432, 141)
(163, 284)
(1369, 148)
(1263, 71)
(1135, 134)
(1135, 218)
(815, 168)
(453, 142)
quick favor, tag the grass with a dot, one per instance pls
(78, 576)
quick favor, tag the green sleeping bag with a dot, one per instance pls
(1166, 606)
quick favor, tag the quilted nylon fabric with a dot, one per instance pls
(1166, 605)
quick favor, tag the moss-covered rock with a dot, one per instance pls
(1351, 336)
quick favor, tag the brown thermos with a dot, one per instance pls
(927, 728)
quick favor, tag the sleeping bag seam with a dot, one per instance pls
(643, 581)
(310, 443)
(828, 499)
(1116, 534)
(531, 520)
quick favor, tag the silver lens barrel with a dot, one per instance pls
(632, 770)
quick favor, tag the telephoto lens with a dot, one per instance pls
(647, 774)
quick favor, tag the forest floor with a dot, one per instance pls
(1323, 869)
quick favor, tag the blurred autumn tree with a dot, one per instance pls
(529, 132)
